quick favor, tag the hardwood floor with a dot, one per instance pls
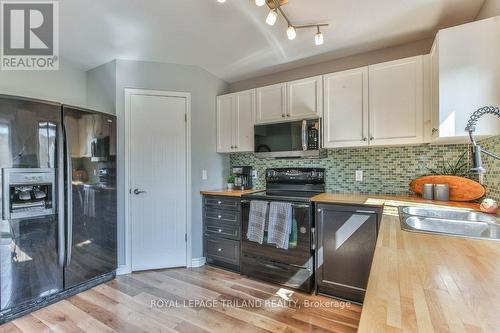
(195, 300)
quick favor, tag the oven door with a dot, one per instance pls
(300, 249)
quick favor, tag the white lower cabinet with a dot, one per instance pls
(235, 122)
(345, 115)
(396, 102)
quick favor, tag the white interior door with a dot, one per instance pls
(158, 181)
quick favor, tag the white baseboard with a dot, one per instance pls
(123, 269)
(198, 262)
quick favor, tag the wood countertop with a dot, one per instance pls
(430, 283)
(391, 200)
(227, 193)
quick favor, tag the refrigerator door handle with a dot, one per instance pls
(60, 198)
(69, 198)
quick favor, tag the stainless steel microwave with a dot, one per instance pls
(290, 139)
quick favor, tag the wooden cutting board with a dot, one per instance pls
(461, 189)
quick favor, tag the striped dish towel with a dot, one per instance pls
(280, 224)
(257, 221)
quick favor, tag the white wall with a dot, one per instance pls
(204, 87)
(101, 88)
(490, 8)
(67, 85)
(335, 65)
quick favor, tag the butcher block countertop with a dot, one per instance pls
(227, 193)
(386, 200)
(427, 283)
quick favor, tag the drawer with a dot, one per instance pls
(221, 202)
(225, 216)
(222, 249)
(222, 229)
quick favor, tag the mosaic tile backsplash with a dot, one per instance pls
(386, 170)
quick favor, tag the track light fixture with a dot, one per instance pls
(291, 31)
(221, 1)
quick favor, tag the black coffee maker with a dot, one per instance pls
(242, 177)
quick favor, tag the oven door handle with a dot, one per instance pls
(293, 205)
(304, 135)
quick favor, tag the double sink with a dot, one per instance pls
(450, 222)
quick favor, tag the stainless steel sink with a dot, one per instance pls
(450, 222)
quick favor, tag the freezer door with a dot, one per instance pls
(30, 265)
(90, 195)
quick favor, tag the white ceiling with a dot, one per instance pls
(232, 41)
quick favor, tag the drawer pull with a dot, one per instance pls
(220, 230)
(219, 250)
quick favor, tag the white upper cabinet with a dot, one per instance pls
(396, 102)
(345, 117)
(271, 104)
(465, 77)
(225, 110)
(243, 122)
(235, 122)
(304, 98)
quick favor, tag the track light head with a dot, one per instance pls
(318, 38)
(291, 33)
(260, 3)
(272, 17)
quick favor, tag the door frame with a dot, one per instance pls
(128, 218)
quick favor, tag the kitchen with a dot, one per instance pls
(326, 175)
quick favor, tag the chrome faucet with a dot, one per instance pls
(477, 149)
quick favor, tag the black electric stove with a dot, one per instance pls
(293, 267)
(291, 184)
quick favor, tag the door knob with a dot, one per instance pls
(137, 191)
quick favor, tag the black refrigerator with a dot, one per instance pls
(58, 213)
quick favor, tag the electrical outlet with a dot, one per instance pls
(359, 175)
(204, 174)
(254, 174)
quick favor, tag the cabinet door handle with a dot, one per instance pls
(282, 115)
(219, 250)
(235, 147)
(219, 217)
(434, 130)
(364, 139)
(219, 202)
(372, 138)
(220, 230)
